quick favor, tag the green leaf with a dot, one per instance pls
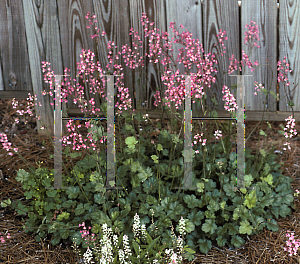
(274, 95)
(51, 193)
(189, 226)
(21, 208)
(165, 152)
(131, 141)
(243, 190)
(284, 210)
(79, 209)
(176, 209)
(272, 225)
(73, 192)
(262, 152)
(28, 194)
(245, 228)
(204, 245)
(196, 217)
(250, 200)
(221, 241)
(155, 158)
(151, 200)
(262, 133)
(136, 247)
(268, 179)
(200, 186)
(63, 215)
(237, 241)
(209, 226)
(229, 189)
(222, 204)
(248, 180)
(6, 203)
(112, 183)
(159, 147)
(232, 229)
(288, 199)
(265, 91)
(191, 201)
(22, 175)
(213, 206)
(55, 240)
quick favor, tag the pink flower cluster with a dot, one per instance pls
(85, 234)
(233, 64)
(2, 239)
(157, 98)
(198, 138)
(78, 141)
(290, 124)
(257, 87)
(218, 134)
(6, 144)
(92, 20)
(229, 100)
(192, 54)
(252, 34)
(132, 58)
(292, 244)
(283, 69)
(30, 105)
(221, 37)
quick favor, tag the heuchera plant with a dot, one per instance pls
(149, 166)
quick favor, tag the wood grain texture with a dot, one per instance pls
(289, 46)
(55, 31)
(74, 35)
(264, 13)
(14, 64)
(43, 41)
(224, 15)
(189, 14)
(113, 17)
(148, 79)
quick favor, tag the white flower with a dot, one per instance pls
(88, 256)
(127, 250)
(143, 228)
(115, 238)
(182, 226)
(136, 226)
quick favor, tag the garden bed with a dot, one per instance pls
(266, 247)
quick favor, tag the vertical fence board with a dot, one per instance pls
(14, 68)
(189, 14)
(114, 20)
(264, 13)
(35, 31)
(74, 36)
(44, 44)
(289, 26)
(148, 78)
(224, 15)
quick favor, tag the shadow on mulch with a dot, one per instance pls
(266, 247)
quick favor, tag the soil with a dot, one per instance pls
(266, 247)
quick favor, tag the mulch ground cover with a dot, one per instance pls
(266, 247)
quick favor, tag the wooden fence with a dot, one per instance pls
(55, 31)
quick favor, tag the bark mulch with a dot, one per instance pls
(266, 247)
